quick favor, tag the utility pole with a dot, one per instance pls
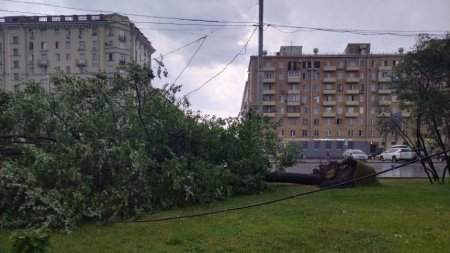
(260, 58)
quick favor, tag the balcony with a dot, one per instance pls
(268, 68)
(329, 68)
(329, 92)
(329, 114)
(43, 63)
(384, 79)
(269, 80)
(351, 114)
(351, 92)
(268, 102)
(293, 79)
(268, 92)
(329, 103)
(293, 91)
(381, 68)
(269, 114)
(351, 103)
(384, 114)
(352, 80)
(384, 91)
(81, 63)
(329, 79)
(384, 103)
(406, 114)
(293, 102)
(293, 114)
(352, 68)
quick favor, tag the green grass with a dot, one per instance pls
(400, 216)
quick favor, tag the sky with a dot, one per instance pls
(223, 56)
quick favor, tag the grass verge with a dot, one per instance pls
(399, 216)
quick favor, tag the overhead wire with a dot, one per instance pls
(295, 195)
(244, 48)
(192, 57)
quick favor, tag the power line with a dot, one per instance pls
(192, 57)
(129, 14)
(190, 43)
(295, 195)
(244, 48)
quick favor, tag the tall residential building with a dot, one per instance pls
(327, 102)
(33, 47)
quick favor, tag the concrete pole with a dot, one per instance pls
(260, 58)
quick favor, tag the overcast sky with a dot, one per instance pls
(222, 96)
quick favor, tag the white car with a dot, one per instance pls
(396, 154)
(356, 154)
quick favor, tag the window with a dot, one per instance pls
(16, 64)
(361, 110)
(15, 39)
(304, 133)
(305, 76)
(339, 122)
(361, 98)
(57, 57)
(316, 133)
(269, 74)
(304, 110)
(16, 76)
(67, 44)
(15, 52)
(304, 145)
(316, 144)
(317, 87)
(281, 133)
(110, 32)
(350, 132)
(56, 18)
(340, 75)
(57, 32)
(110, 57)
(339, 144)
(339, 110)
(340, 87)
(361, 132)
(94, 57)
(67, 69)
(68, 18)
(316, 110)
(30, 46)
(328, 121)
(56, 44)
(280, 64)
(82, 45)
(316, 122)
(328, 143)
(304, 122)
(305, 87)
(67, 32)
(30, 58)
(43, 45)
(280, 76)
(292, 133)
(292, 121)
(82, 18)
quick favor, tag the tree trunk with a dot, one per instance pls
(297, 178)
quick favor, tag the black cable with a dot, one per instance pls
(244, 48)
(275, 200)
(128, 14)
(190, 60)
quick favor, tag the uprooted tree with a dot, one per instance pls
(99, 150)
(421, 82)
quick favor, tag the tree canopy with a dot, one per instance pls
(100, 149)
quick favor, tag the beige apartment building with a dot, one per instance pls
(328, 102)
(34, 47)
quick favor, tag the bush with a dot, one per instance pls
(30, 241)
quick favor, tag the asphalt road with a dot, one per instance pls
(409, 171)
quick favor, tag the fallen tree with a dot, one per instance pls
(329, 174)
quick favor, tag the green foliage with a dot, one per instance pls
(30, 241)
(100, 150)
(288, 155)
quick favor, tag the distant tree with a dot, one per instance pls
(422, 83)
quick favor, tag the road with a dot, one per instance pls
(409, 171)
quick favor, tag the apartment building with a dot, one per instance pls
(327, 102)
(34, 47)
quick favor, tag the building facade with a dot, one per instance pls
(327, 102)
(34, 47)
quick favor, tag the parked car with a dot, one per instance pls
(400, 146)
(356, 154)
(441, 157)
(396, 154)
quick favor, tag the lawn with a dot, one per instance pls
(400, 216)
